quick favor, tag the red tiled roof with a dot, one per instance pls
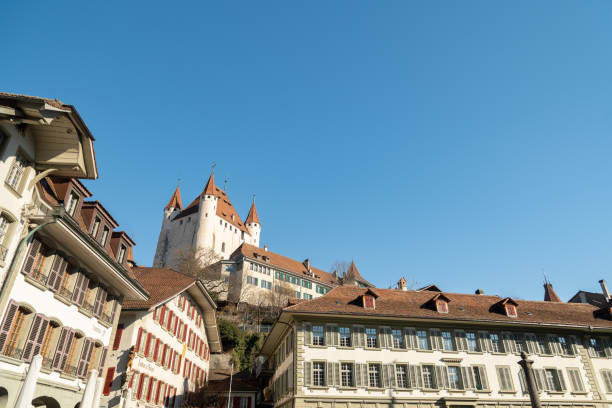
(288, 264)
(175, 200)
(210, 187)
(549, 293)
(252, 216)
(161, 283)
(409, 304)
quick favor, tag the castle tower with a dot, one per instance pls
(206, 237)
(174, 206)
(253, 225)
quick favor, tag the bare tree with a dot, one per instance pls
(197, 262)
(239, 291)
(340, 268)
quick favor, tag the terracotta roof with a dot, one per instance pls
(409, 304)
(225, 209)
(53, 102)
(161, 283)
(549, 293)
(280, 261)
(252, 216)
(210, 187)
(175, 200)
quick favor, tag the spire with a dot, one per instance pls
(252, 217)
(353, 272)
(549, 293)
(175, 200)
(210, 185)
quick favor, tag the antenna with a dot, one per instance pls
(225, 183)
(213, 166)
(254, 198)
(178, 181)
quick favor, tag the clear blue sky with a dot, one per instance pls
(462, 143)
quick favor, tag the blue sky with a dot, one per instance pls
(461, 143)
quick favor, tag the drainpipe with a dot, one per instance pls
(10, 275)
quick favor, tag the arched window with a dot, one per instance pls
(14, 329)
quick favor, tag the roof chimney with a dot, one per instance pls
(266, 248)
(604, 289)
(307, 264)
(402, 284)
(479, 292)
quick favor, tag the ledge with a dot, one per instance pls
(34, 282)
(62, 299)
(10, 360)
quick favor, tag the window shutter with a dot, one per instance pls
(147, 349)
(307, 373)
(484, 341)
(80, 288)
(9, 316)
(364, 374)
(416, 377)
(389, 336)
(34, 339)
(483, 377)
(336, 337)
(307, 334)
(138, 340)
(531, 346)
(540, 379)
(85, 357)
(28, 266)
(54, 272)
(102, 359)
(361, 337)
(328, 335)
(337, 377)
(156, 350)
(100, 300)
(108, 381)
(523, 381)
(392, 383)
(411, 340)
(573, 344)
(66, 349)
(561, 380)
(461, 340)
(467, 378)
(118, 335)
(553, 344)
(508, 343)
(607, 344)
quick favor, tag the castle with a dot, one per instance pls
(210, 221)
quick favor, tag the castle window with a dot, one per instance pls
(223, 247)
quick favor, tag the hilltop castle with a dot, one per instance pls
(210, 221)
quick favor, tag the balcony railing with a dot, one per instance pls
(70, 370)
(39, 276)
(65, 292)
(106, 318)
(88, 306)
(47, 363)
(13, 352)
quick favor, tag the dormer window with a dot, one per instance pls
(71, 205)
(510, 310)
(121, 254)
(368, 302)
(96, 228)
(442, 306)
(104, 236)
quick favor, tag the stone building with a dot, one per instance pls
(210, 221)
(65, 270)
(171, 336)
(365, 347)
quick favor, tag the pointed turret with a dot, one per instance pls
(175, 200)
(252, 217)
(210, 187)
(354, 277)
(549, 293)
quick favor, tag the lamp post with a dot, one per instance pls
(531, 386)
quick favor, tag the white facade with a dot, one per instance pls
(210, 222)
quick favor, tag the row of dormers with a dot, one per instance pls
(91, 216)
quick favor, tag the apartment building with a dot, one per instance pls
(63, 280)
(370, 347)
(162, 347)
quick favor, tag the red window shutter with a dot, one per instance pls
(108, 382)
(162, 315)
(156, 350)
(150, 388)
(140, 384)
(184, 332)
(169, 321)
(118, 335)
(180, 358)
(155, 313)
(159, 384)
(28, 266)
(148, 345)
(138, 339)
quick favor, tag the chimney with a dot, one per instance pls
(604, 289)
(307, 264)
(402, 284)
(266, 248)
(479, 292)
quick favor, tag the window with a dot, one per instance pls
(297, 294)
(472, 342)
(442, 306)
(428, 379)
(223, 247)
(104, 236)
(318, 336)
(71, 205)
(606, 375)
(596, 348)
(12, 330)
(398, 338)
(565, 348)
(371, 337)
(543, 345)
(495, 343)
(121, 254)
(374, 375)
(16, 172)
(553, 379)
(510, 310)
(453, 377)
(479, 377)
(575, 379)
(95, 228)
(318, 374)
(401, 374)
(4, 224)
(346, 374)
(447, 341)
(307, 296)
(505, 379)
(518, 343)
(345, 336)
(422, 340)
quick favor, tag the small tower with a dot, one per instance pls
(208, 210)
(174, 205)
(253, 225)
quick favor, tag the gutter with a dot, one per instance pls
(10, 275)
